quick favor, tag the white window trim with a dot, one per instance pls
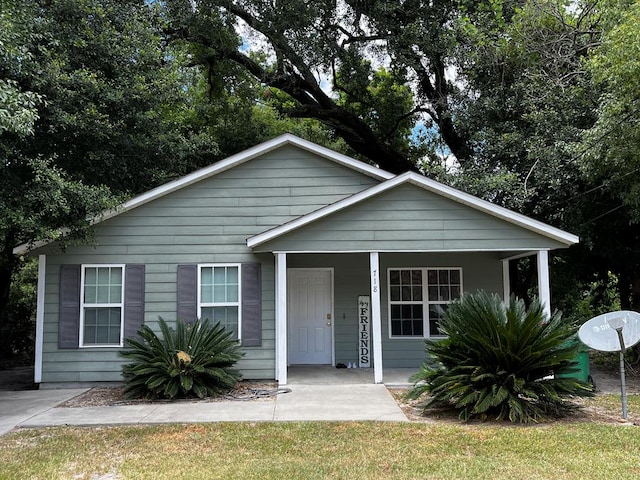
(426, 302)
(221, 304)
(99, 305)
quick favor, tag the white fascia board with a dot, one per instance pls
(428, 184)
(219, 167)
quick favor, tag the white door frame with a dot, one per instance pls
(332, 308)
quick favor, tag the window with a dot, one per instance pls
(219, 295)
(102, 305)
(418, 297)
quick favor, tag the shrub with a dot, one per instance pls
(499, 361)
(192, 360)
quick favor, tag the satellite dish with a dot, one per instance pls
(600, 332)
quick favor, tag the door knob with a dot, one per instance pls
(329, 323)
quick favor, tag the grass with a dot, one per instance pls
(309, 450)
(613, 403)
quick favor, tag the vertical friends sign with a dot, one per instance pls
(364, 331)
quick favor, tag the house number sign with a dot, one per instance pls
(364, 331)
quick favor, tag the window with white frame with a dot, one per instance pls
(418, 297)
(219, 294)
(102, 305)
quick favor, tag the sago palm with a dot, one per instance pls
(505, 362)
(191, 360)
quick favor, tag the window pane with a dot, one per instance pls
(232, 293)
(206, 312)
(395, 294)
(394, 277)
(206, 294)
(232, 275)
(432, 277)
(396, 328)
(416, 277)
(435, 315)
(406, 294)
(444, 294)
(219, 275)
(116, 294)
(444, 276)
(103, 285)
(454, 277)
(455, 292)
(417, 293)
(407, 320)
(116, 276)
(227, 317)
(90, 294)
(433, 294)
(102, 326)
(103, 276)
(418, 328)
(219, 293)
(405, 277)
(206, 276)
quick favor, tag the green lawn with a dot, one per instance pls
(343, 450)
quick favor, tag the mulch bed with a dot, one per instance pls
(110, 396)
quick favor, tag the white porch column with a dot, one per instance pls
(376, 323)
(281, 318)
(506, 281)
(37, 367)
(544, 291)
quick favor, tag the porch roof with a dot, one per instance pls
(411, 213)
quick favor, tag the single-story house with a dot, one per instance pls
(309, 256)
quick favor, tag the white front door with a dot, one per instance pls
(310, 312)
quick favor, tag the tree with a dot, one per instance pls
(308, 45)
(96, 110)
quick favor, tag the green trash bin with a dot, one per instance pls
(582, 371)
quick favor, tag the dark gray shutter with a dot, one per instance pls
(133, 299)
(69, 314)
(251, 305)
(187, 293)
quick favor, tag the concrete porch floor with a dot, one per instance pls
(328, 375)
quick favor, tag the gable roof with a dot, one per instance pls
(430, 185)
(223, 165)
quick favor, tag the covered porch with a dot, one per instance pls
(347, 335)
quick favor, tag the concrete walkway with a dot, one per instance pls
(340, 402)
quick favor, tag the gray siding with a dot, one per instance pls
(205, 222)
(408, 218)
